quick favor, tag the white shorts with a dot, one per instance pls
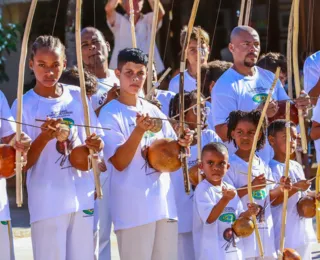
(154, 241)
(6, 244)
(185, 246)
(65, 237)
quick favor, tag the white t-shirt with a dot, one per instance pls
(54, 187)
(139, 195)
(299, 231)
(122, 37)
(208, 239)
(190, 83)
(184, 201)
(164, 98)
(104, 85)
(6, 128)
(235, 177)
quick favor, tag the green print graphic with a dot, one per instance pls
(227, 217)
(68, 121)
(5, 223)
(88, 211)
(260, 98)
(259, 194)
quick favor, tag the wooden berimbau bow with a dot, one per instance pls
(84, 96)
(183, 153)
(22, 63)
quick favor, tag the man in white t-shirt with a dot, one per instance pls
(7, 135)
(245, 86)
(121, 29)
(190, 75)
(142, 199)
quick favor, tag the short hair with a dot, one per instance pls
(71, 77)
(253, 116)
(242, 28)
(204, 36)
(134, 55)
(49, 42)
(93, 30)
(277, 126)
(215, 147)
(212, 72)
(271, 60)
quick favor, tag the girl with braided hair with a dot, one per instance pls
(241, 130)
(184, 202)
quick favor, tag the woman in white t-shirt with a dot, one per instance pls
(142, 200)
(216, 207)
(121, 29)
(184, 202)
(7, 135)
(241, 130)
(60, 197)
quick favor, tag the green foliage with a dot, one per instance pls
(9, 34)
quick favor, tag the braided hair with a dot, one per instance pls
(49, 42)
(189, 98)
(253, 117)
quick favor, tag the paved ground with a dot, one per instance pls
(22, 234)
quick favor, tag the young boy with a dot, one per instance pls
(7, 135)
(142, 200)
(216, 207)
(190, 75)
(295, 224)
(120, 27)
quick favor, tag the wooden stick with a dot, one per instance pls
(248, 12)
(244, 173)
(183, 153)
(289, 54)
(152, 44)
(132, 25)
(296, 72)
(199, 128)
(286, 174)
(84, 96)
(240, 21)
(252, 154)
(156, 85)
(318, 203)
(87, 126)
(22, 63)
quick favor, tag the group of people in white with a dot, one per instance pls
(152, 215)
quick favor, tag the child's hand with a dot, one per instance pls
(94, 142)
(272, 108)
(285, 184)
(253, 209)
(303, 102)
(144, 122)
(23, 145)
(49, 128)
(187, 138)
(302, 185)
(228, 194)
(259, 181)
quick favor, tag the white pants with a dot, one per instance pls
(5, 252)
(154, 241)
(67, 237)
(185, 246)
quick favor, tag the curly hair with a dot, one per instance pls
(271, 60)
(253, 117)
(277, 126)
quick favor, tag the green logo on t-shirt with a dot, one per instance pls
(68, 121)
(227, 217)
(88, 211)
(260, 98)
(259, 194)
(5, 223)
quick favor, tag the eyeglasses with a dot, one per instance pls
(204, 110)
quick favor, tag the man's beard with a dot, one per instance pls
(249, 64)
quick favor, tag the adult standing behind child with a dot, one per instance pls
(121, 28)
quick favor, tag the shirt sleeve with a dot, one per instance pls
(223, 101)
(174, 86)
(311, 74)
(149, 20)
(117, 22)
(281, 93)
(112, 138)
(204, 204)
(7, 128)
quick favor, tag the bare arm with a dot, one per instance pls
(217, 210)
(315, 92)
(222, 130)
(315, 130)
(161, 10)
(110, 9)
